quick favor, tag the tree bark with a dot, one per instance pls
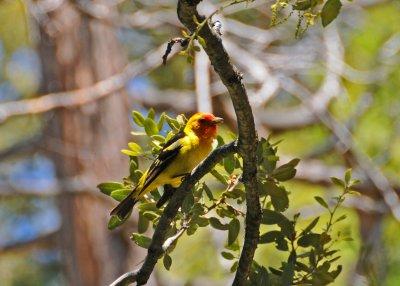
(77, 52)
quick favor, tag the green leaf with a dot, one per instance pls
(201, 41)
(347, 177)
(150, 127)
(135, 148)
(229, 163)
(309, 239)
(202, 221)
(310, 226)
(161, 121)
(128, 152)
(286, 171)
(138, 118)
(188, 202)
(119, 195)
(192, 229)
(288, 271)
(141, 240)
(330, 11)
(151, 206)
(151, 114)
(208, 192)
(219, 176)
(158, 138)
(353, 183)
(151, 216)
(272, 217)
(220, 140)
(108, 187)
(302, 5)
(312, 258)
(263, 277)
(264, 152)
(143, 223)
(302, 267)
(336, 272)
(279, 199)
(115, 221)
(338, 182)
(234, 266)
(233, 230)
(281, 244)
(341, 218)
(173, 123)
(321, 201)
(275, 271)
(270, 236)
(215, 223)
(227, 255)
(167, 261)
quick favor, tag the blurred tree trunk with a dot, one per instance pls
(372, 261)
(78, 51)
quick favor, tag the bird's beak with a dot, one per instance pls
(217, 120)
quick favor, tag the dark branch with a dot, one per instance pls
(232, 80)
(182, 41)
(155, 250)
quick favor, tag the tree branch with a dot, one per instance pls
(46, 240)
(232, 79)
(82, 96)
(156, 250)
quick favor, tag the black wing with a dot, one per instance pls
(169, 151)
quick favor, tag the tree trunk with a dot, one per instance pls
(372, 261)
(78, 51)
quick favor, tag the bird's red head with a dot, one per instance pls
(204, 125)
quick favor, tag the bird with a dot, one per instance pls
(177, 158)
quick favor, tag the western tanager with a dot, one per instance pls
(178, 157)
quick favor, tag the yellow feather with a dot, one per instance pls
(193, 151)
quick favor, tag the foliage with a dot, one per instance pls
(307, 11)
(311, 254)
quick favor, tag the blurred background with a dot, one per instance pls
(71, 72)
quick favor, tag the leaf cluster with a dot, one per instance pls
(307, 11)
(219, 203)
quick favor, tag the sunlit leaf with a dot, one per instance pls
(141, 240)
(119, 195)
(150, 127)
(108, 187)
(330, 11)
(138, 118)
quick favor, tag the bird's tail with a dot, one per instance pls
(123, 209)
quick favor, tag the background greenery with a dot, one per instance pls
(370, 35)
